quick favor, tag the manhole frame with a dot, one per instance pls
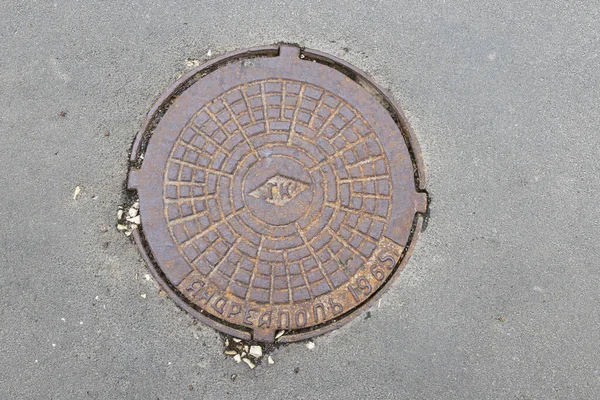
(162, 104)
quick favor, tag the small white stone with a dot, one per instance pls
(132, 212)
(226, 342)
(270, 360)
(209, 53)
(135, 220)
(250, 363)
(80, 322)
(143, 295)
(310, 345)
(237, 340)
(119, 214)
(279, 334)
(192, 63)
(96, 298)
(147, 277)
(62, 319)
(230, 352)
(256, 351)
(136, 205)
(53, 344)
(121, 227)
(246, 348)
(237, 358)
(77, 191)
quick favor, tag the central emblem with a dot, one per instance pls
(279, 190)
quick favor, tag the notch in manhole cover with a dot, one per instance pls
(280, 190)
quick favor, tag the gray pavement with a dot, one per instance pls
(501, 297)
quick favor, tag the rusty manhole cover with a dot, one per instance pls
(280, 190)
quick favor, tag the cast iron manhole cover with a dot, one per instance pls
(279, 189)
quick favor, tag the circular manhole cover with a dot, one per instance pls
(279, 191)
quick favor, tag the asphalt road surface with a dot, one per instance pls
(501, 297)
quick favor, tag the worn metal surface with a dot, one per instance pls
(276, 192)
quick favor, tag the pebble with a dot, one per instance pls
(270, 360)
(255, 351)
(310, 345)
(132, 218)
(250, 363)
(135, 220)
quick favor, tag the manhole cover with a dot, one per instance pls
(279, 190)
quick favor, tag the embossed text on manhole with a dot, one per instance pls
(280, 190)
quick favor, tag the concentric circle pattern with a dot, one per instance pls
(277, 191)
